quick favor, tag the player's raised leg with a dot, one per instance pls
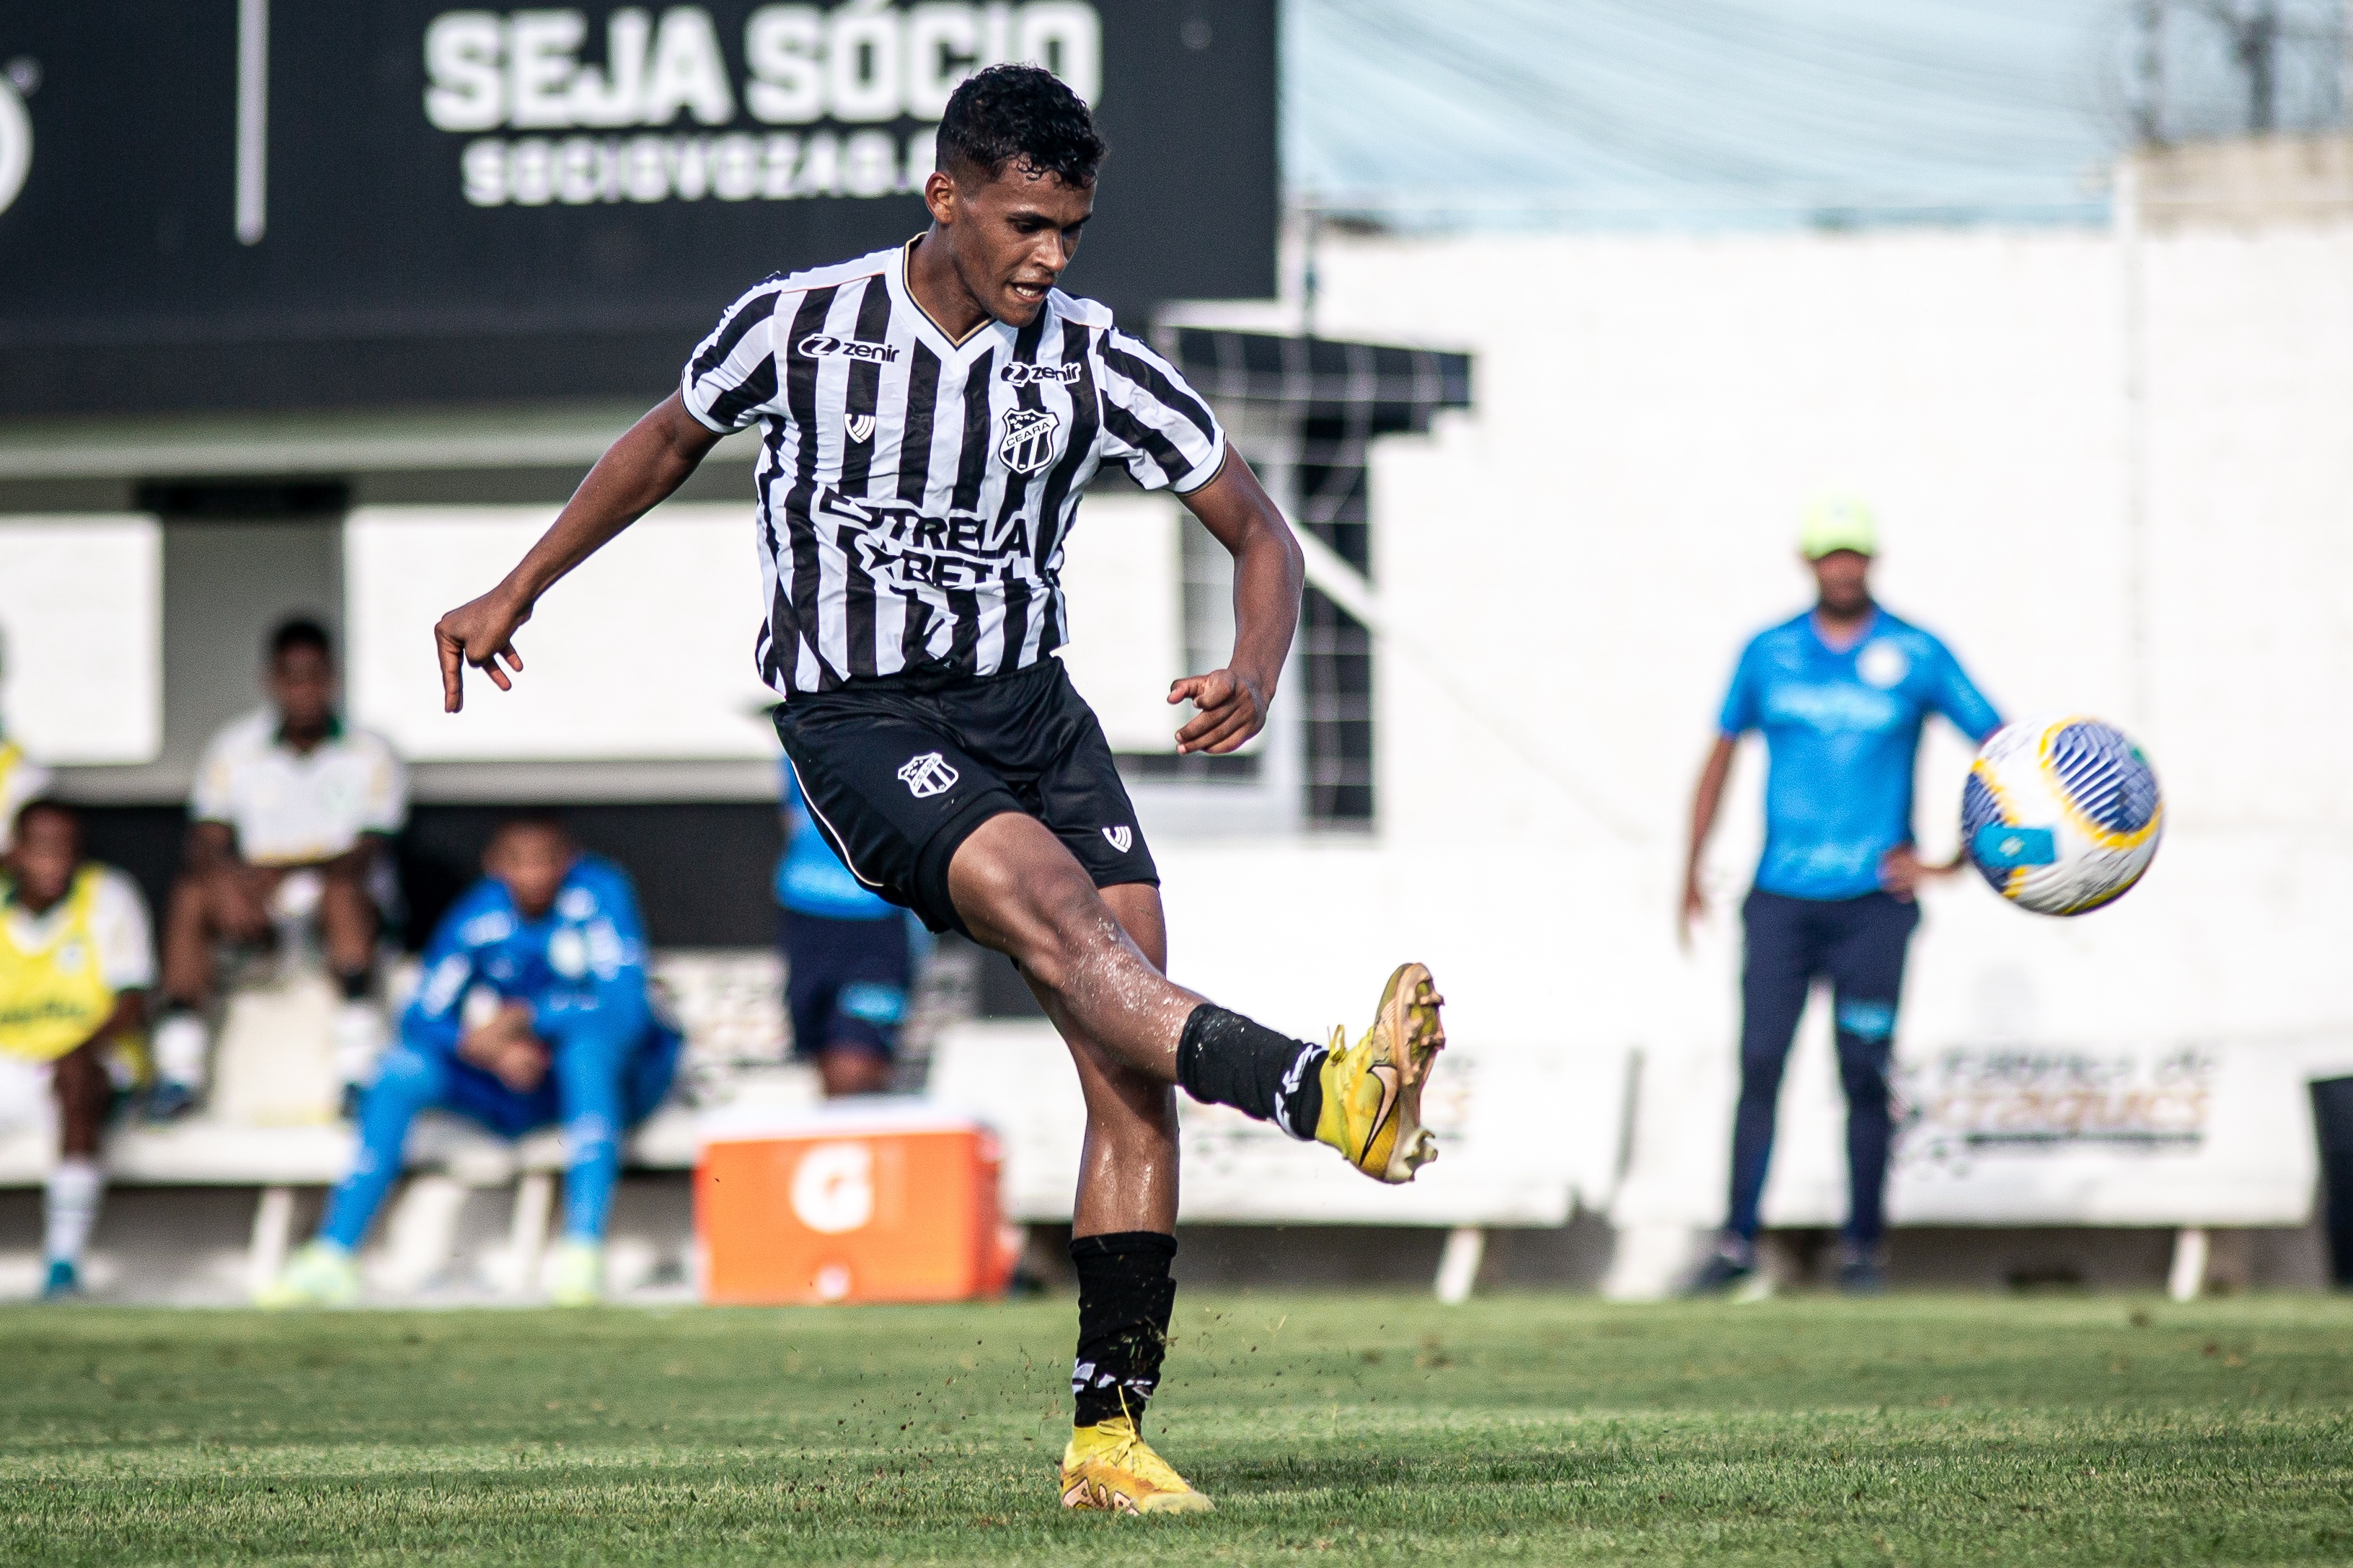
(1018, 890)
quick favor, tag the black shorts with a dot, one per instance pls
(897, 777)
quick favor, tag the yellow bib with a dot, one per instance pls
(52, 997)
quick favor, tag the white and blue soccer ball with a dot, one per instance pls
(2060, 815)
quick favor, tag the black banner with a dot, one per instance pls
(258, 204)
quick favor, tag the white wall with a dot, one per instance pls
(1591, 544)
(644, 651)
(82, 663)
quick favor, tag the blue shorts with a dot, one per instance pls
(845, 982)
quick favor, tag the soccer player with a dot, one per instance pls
(76, 961)
(846, 958)
(1840, 693)
(929, 416)
(530, 1011)
(293, 814)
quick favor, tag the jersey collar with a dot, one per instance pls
(1870, 629)
(895, 277)
(334, 732)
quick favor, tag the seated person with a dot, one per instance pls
(293, 815)
(531, 1010)
(75, 965)
(846, 959)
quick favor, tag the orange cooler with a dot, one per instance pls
(854, 1201)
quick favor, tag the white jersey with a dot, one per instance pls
(119, 928)
(290, 807)
(915, 492)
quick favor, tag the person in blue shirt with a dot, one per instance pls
(1840, 694)
(847, 959)
(531, 1010)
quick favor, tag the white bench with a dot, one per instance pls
(201, 1152)
(729, 1003)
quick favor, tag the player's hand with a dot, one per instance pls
(1692, 910)
(521, 1065)
(480, 632)
(1230, 708)
(1902, 872)
(503, 1046)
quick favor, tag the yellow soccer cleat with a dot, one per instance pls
(1109, 1467)
(576, 1276)
(320, 1275)
(1372, 1094)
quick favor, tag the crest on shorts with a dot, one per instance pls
(1028, 444)
(927, 775)
(1122, 839)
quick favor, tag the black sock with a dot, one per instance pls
(354, 985)
(1223, 1058)
(1125, 1298)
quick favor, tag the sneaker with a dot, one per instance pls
(180, 1048)
(64, 1281)
(1372, 1094)
(168, 1101)
(320, 1275)
(1860, 1274)
(575, 1276)
(358, 1041)
(1727, 1269)
(1110, 1468)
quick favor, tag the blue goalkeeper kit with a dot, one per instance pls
(581, 970)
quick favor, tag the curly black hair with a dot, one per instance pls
(1024, 113)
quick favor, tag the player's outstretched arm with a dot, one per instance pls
(635, 475)
(1231, 704)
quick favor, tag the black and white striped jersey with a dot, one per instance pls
(914, 493)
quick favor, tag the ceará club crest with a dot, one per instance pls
(1028, 444)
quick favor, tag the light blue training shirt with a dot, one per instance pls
(810, 878)
(1842, 732)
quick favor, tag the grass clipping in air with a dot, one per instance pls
(1384, 1427)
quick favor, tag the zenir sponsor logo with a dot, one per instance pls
(1028, 444)
(819, 346)
(1018, 373)
(927, 775)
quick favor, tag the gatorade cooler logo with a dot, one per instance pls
(833, 1188)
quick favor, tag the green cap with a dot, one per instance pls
(1837, 522)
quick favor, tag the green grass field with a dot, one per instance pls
(1529, 1428)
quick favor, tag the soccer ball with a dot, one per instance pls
(2060, 815)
